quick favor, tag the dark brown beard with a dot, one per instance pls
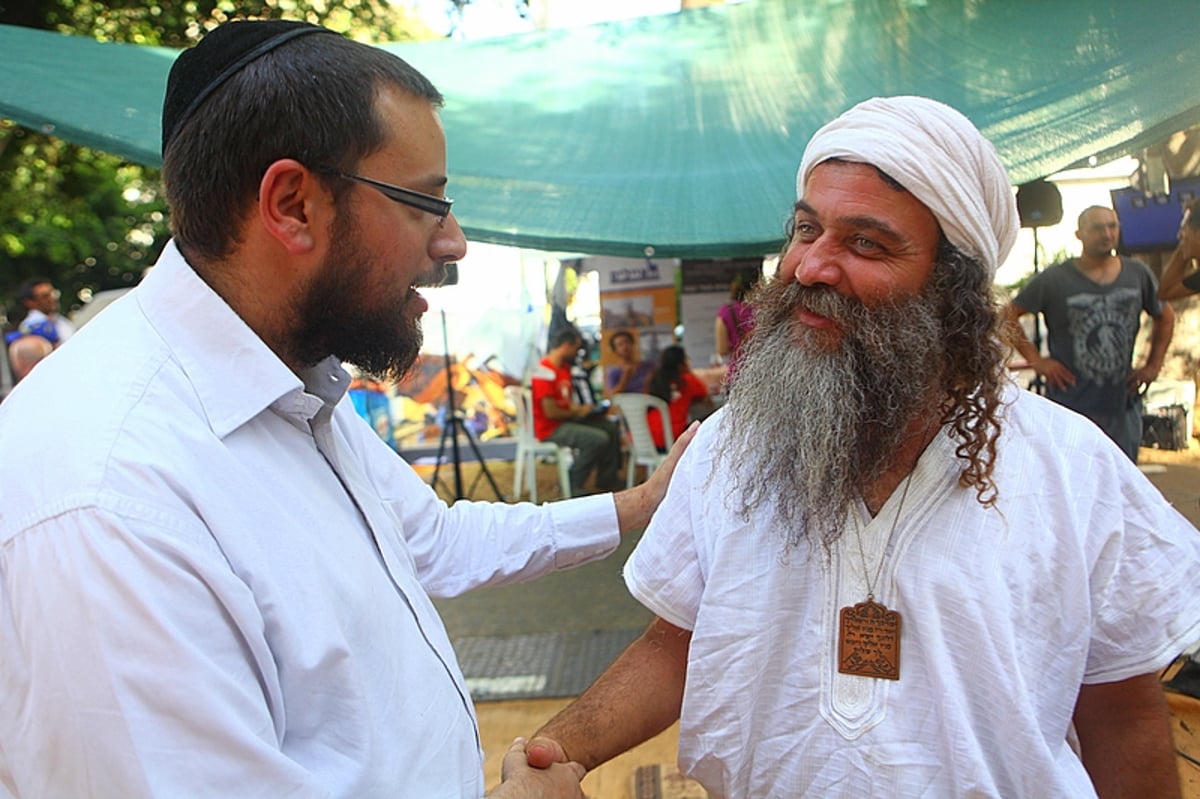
(811, 420)
(377, 335)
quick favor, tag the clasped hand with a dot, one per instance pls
(551, 779)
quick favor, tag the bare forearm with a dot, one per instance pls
(636, 698)
(559, 413)
(1160, 338)
(635, 506)
(1026, 349)
(721, 335)
(1125, 739)
(1171, 287)
(1016, 335)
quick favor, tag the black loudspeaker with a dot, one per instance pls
(1039, 204)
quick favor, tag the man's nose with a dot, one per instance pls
(448, 243)
(816, 263)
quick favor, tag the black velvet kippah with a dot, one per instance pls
(198, 72)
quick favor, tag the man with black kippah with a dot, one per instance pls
(226, 591)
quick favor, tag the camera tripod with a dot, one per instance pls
(454, 425)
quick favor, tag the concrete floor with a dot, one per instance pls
(1177, 475)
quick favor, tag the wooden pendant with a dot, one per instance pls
(869, 641)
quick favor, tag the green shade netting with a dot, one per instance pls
(683, 132)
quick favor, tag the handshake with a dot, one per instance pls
(538, 770)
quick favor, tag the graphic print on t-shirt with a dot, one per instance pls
(1103, 327)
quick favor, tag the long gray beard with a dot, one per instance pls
(811, 422)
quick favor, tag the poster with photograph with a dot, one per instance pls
(637, 297)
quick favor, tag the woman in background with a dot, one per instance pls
(735, 319)
(674, 382)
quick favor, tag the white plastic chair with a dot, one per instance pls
(633, 409)
(529, 449)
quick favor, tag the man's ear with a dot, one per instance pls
(291, 205)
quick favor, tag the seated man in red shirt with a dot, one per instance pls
(584, 428)
(674, 382)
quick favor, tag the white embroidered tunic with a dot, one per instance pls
(1081, 574)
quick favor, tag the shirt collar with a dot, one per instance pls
(235, 374)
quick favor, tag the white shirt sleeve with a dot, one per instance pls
(84, 716)
(473, 544)
(1143, 556)
(667, 570)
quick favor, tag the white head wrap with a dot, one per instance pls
(936, 153)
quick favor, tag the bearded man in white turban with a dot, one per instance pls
(882, 569)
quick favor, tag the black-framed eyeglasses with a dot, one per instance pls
(438, 206)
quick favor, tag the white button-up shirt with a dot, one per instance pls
(215, 579)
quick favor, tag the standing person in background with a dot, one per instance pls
(1093, 309)
(674, 383)
(1180, 278)
(735, 319)
(42, 317)
(227, 588)
(630, 373)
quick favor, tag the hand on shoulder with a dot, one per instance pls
(636, 505)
